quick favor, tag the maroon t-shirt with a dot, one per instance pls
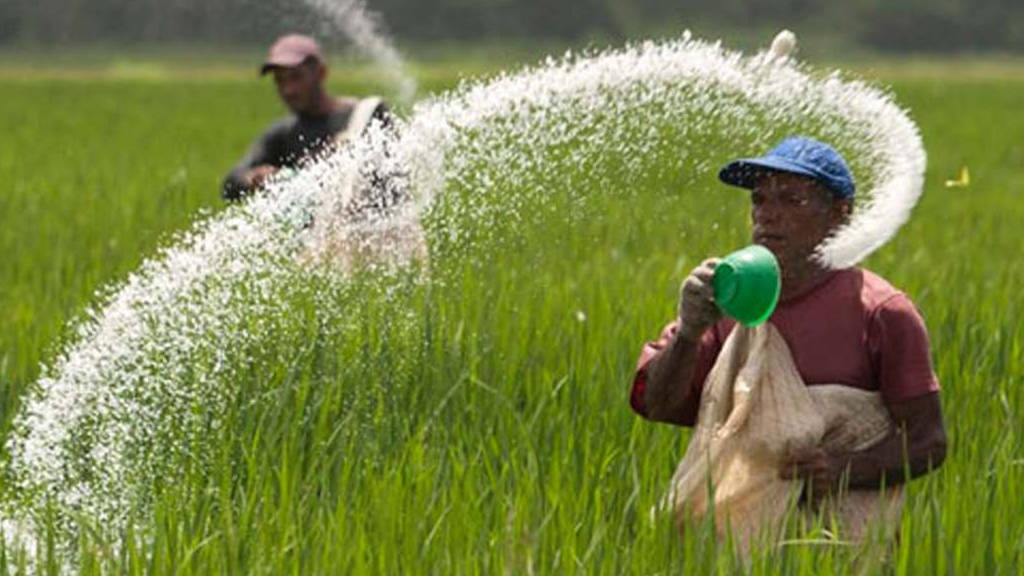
(853, 329)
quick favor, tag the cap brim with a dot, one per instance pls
(745, 172)
(284, 62)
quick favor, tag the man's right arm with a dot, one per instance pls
(258, 164)
(663, 389)
(668, 394)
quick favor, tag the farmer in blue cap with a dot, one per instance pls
(846, 326)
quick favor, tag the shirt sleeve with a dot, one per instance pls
(707, 353)
(262, 151)
(898, 341)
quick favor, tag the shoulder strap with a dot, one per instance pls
(359, 119)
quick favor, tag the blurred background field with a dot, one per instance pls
(504, 443)
(105, 155)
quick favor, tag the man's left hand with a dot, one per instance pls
(820, 472)
(916, 445)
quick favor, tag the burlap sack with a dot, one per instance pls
(755, 413)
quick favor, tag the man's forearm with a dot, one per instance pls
(668, 378)
(239, 182)
(235, 185)
(894, 460)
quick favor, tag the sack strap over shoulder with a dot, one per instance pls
(360, 118)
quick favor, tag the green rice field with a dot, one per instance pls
(480, 425)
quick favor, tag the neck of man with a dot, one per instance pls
(325, 105)
(801, 278)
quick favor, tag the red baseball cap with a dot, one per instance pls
(290, 51)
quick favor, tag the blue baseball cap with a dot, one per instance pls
(796, 155)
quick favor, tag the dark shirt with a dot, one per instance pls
(288, 142)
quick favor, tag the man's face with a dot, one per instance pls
(792, 214)
(299, 87)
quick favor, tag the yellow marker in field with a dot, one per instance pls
(962, 182)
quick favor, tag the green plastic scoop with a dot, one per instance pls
(747, 284)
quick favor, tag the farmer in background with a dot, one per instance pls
(848, 326)
(318, 121)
